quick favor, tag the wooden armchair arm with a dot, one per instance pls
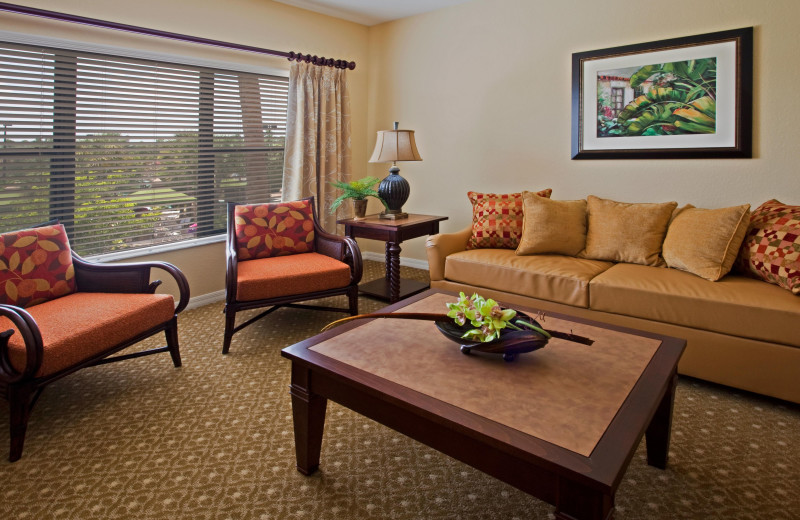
(344, 249)
(127, 278)
(34, 349)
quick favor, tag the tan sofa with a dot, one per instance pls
(740, 332)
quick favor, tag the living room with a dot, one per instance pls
(477, 82)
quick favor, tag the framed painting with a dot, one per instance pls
(681, 98)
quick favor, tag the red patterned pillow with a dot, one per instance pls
(281, 228)
(35, 266)
(497, 219)
(771, 248)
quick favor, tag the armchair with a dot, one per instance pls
(277, 254)
(60, 313)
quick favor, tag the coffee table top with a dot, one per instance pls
(566, 394)
(580, 408)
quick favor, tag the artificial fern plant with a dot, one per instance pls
(357, 190)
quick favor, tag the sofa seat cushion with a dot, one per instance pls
(80, 325)
(734, 305)
(288, 275)
(563, 279)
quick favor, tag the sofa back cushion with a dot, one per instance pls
(771, 248)
(706, 242)
(497, 219)
(624, 232)
(552, 226)
(274, 229)
(35, 266)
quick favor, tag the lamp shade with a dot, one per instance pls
(395, 145)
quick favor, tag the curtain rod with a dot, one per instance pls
(64, 17)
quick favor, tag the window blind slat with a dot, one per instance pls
(129, 152)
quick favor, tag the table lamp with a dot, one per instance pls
(392, 146)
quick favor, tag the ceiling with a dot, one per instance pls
(371, 12)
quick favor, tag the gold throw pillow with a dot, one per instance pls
(552, 226)
(624, 232)
(706, 242)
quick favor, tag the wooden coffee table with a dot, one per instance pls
(561, 423)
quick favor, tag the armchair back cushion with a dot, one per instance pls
(35, 266)
(275, 229)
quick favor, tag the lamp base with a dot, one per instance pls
(393, 216)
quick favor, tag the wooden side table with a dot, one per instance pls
(392, 287)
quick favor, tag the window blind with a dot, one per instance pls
(130, 153)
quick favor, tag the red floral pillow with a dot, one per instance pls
(771, 247)
(497, 219)
(35, 266)
(282, 228)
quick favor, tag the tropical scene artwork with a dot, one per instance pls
(676, 98)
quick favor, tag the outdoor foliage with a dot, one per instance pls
(681, 101)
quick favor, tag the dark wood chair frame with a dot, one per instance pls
(22, 389)
(340, 248)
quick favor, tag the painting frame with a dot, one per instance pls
(731, 135)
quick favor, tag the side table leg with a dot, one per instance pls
(658, 432)
(393, 270)
(308, 412)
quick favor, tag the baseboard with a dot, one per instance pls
(205, 299)
(409, 262)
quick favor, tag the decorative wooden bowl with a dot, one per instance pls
(510, 344)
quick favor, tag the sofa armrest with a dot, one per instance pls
(443, 244)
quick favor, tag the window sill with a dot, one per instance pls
(147, 251)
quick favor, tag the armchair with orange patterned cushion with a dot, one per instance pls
(60, 313)
(277, 254)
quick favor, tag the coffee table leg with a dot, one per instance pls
(393, 270)
(658, 432)
(577, 502)
(308, 412)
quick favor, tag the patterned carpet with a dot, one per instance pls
(213, 440)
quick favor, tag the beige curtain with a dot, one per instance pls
(317, 137)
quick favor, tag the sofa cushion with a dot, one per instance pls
(771, 248)
(275, 229)
(706, 242)
(81, 325)
(497, 219)
(624, 232)
(735, 305)
(35, 266)
(552, 226)
(556, 278)
(286, 275)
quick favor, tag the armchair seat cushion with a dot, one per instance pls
(289, 275)
(79, 326)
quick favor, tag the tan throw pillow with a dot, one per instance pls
(706, 242)
(497, 219)
(552, 226)
(623, 232)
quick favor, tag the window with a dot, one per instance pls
(617, 100)
(130, 153)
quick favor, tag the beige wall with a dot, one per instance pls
(259, 23)
(486, 87)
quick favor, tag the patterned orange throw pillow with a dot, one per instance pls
(497, 219)
(35, 266)
(771, 248)
(276, 229)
